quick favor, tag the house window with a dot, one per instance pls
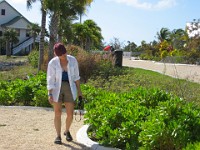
(3, 12)
(1, 33)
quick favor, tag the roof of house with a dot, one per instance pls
(14, 20)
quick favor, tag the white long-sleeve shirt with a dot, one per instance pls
(54, 76)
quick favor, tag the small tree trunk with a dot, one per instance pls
(53, 27)
(8, 49)
(41, 44)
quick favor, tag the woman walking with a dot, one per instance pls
(63, 84)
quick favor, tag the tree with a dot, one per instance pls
(34, 30)
(61, 9)
(163, 34)
(2, 44)
(193, 28)
(87, 35)
(81, 12)
(130, 47)
(178, 38)
(115, 42)
(65, 30)
(11, 38)
(42, 33)
(95, 38)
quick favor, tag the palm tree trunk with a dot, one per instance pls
(53, 28)
(80, 18)
(41, 44)
(8, 49)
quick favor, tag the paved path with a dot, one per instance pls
(182, 71)
(31, 128)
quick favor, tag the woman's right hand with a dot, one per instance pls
(50, 98)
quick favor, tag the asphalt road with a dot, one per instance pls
(181, 71)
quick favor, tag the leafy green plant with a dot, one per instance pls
(29, 92)
(4, 94)
(33, 58)
(21, 92)
(171, 125)
(193, 146)
(141, 118)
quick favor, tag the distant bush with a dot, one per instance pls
(92, 65)
(33, 58)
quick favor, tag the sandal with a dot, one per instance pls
(58, 140)
(68, 136)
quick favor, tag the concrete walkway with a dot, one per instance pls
(182, 71)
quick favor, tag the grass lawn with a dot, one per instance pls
(17, 71)
(136, 77)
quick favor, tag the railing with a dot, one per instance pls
(22, 46)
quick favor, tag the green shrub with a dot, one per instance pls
(30, 92)
(41, 97)
(141, 118)
(21, 92)
(33, 58)
(5, 98)
(193, 146)
(87, 65)
(92, 65)
(171, 125)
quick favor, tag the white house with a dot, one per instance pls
(11, 18)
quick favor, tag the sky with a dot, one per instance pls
(129, 20)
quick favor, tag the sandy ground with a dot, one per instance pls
(182, 71)
(28, 128)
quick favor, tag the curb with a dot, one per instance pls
(82, 137)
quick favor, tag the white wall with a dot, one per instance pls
(10, 13)
(20, 24)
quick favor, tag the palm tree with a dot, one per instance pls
(42, 33)
(65, 30)
(34, 30)
(81, 12)
(164, 34)
(81, 32)
(61, 9)
(178, 38)
(95, 37)
(11, 38)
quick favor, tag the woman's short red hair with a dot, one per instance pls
(59, 49)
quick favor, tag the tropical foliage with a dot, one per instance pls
(141, 119)
(87, 35)
(11, 37)
(34, 31)
(183, 45)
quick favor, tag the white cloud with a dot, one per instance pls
(160, 4)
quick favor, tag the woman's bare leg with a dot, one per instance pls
(70, 111)
(57, 118)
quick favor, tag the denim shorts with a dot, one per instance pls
(65, 93)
